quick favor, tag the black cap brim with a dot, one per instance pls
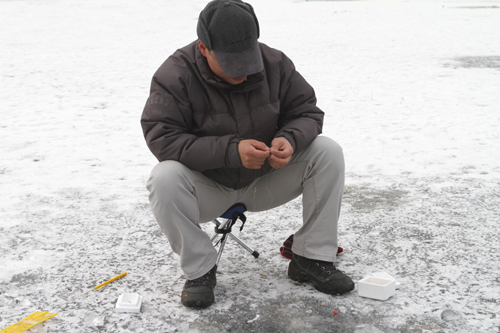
(242, 63)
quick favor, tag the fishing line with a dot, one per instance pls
(262, 188)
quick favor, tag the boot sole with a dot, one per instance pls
(197, 303)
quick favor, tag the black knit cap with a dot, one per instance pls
(231, 29)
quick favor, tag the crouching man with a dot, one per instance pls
(231, 121)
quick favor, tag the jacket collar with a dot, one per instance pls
(252, 82)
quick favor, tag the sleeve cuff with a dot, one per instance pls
(233, 155)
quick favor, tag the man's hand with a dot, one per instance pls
(253, 153)
(281, 153)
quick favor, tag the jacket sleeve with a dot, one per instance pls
(167, 126)
(301, 121)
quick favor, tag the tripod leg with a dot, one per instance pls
(221, 248)
(245, 246)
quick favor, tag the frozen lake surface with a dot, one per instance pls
(411, 90)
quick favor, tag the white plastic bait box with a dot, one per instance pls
(129, 303)
(385, 276)
(377, 288)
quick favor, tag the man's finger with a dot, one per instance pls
(255, 165)
(259, 154)
(278, 163)
(260, 150)
(281, 148)
(282, 153)
(259, 145)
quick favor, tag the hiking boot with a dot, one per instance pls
(324, 276)
(199, 293)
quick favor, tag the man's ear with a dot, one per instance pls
(203, 48)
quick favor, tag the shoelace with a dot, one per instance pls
(326, 267)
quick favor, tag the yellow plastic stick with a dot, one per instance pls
(110, 280)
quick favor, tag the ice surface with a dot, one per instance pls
(367, 329)
(410, 90)
(450, 315)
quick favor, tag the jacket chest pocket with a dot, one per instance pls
(265, 121)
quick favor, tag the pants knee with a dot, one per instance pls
(331, 150)
(167, 177)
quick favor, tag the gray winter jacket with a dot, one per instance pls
(193, 118)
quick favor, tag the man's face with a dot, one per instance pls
(215, 67)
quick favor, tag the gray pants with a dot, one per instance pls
(181, 199)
